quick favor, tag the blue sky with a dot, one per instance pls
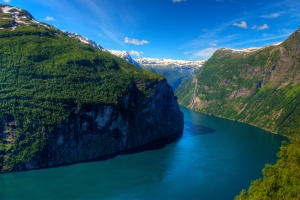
(176, 29)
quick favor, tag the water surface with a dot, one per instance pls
(214, 159)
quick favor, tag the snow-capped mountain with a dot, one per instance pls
(175, 71)
(249, 50)
(20, 16)
(155, 62)
(84, 40)
(243, 51)
(124, 55)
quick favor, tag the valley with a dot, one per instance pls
(195, 113)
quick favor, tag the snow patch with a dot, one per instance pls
(251, 49)
(124, 55)
(7, 8)
(170, 62)
(247, 50)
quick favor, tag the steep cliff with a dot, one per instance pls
(63, 101)
(260, 87)
(95, 130)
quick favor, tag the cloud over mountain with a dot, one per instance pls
(49, 19)
(135, 41)
(136, 53)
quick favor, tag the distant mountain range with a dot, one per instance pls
(176, 71)
(155, 62)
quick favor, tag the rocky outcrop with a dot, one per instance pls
(93, 131)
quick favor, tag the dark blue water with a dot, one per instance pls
(214, 159)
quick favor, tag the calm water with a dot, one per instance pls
(214, 159)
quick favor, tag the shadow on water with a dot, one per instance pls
(155, 145)
(191, 130)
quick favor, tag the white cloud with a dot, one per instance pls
(205, 53)
(136, 53)
(135, 41)
(49, 19)
(243, 24)
(265, 26)
(212, 44)
(259, 28)
(6, 1)
(274, 15)
(177, 1)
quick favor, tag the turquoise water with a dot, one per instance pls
(214, 159)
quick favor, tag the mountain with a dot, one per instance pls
(175, 71)
(64, 101)
(256, 86)
(84, 40)
(124, 55)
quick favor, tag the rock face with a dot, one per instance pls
(256, 86)
(99, 130)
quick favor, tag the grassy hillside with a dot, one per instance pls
(260, 88)
(43, 73)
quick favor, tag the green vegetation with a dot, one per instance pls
(281, 180)
(43, 75)
(5, 23)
